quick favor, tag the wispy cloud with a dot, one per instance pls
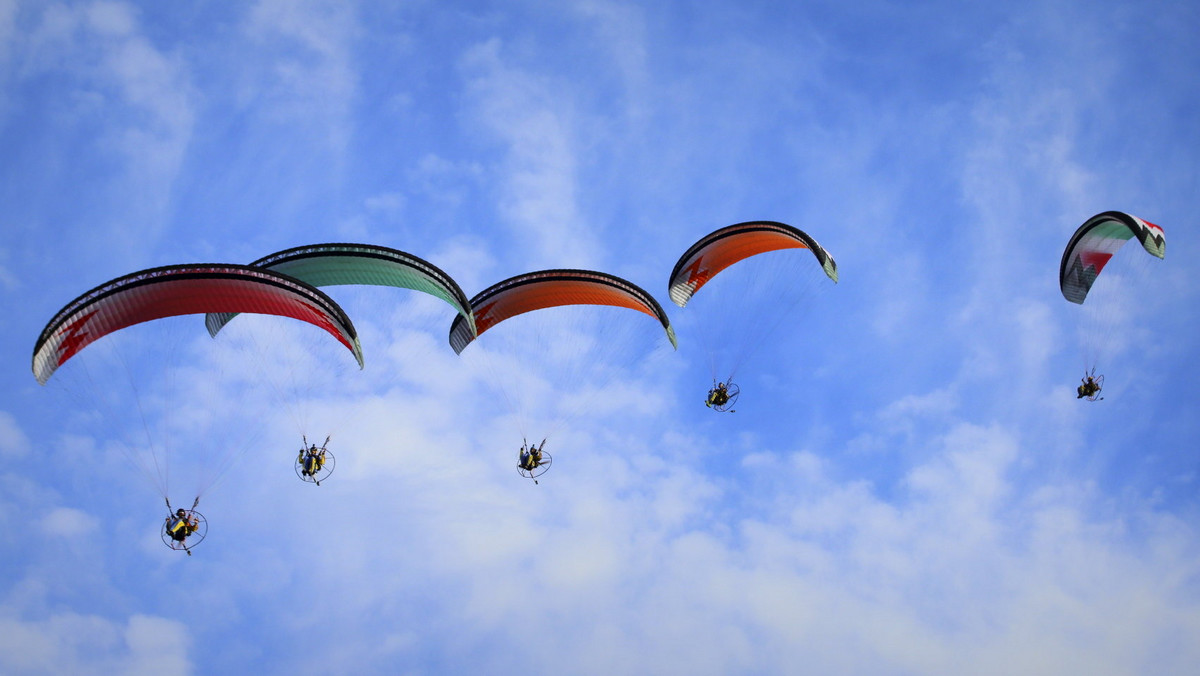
(8, 28)
(305, 74)
(127, 101)
(89, 644)
(533, 117)
(13, 441)
(66, 522)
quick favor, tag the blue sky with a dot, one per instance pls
(909, 485)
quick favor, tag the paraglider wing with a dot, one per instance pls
(718, 250)
(367, 264)
(181, 290)
(1095, 242)
(552, 288)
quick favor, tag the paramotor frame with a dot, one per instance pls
(326, 466)
(731, 396)
(542, 467)
(1099, 383)
(190, 540)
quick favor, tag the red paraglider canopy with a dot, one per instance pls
(180, 290)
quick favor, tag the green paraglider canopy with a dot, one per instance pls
(359, 264)
(1095, 243)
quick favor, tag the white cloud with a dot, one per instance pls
(970, 476)
(899, 301)
(13, 442)
(387, 203)
(8, 27)
(632, 549)
(157, 646)
(309, 76)
(128, 102)
(70, 643)
(908, 588)
(469, 260)
(536, 121)
(939, 403)
(8, 279)
(111, 18)
(622, 33)
(68, 523)
(146, 79)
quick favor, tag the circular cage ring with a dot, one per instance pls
(731, 392)
(537, 471)
(320, 474)
(190, 540)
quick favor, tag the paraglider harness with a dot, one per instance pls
(532, 461)
(182, 525)
(1090, 389)
(722, 397)
(314, 465)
